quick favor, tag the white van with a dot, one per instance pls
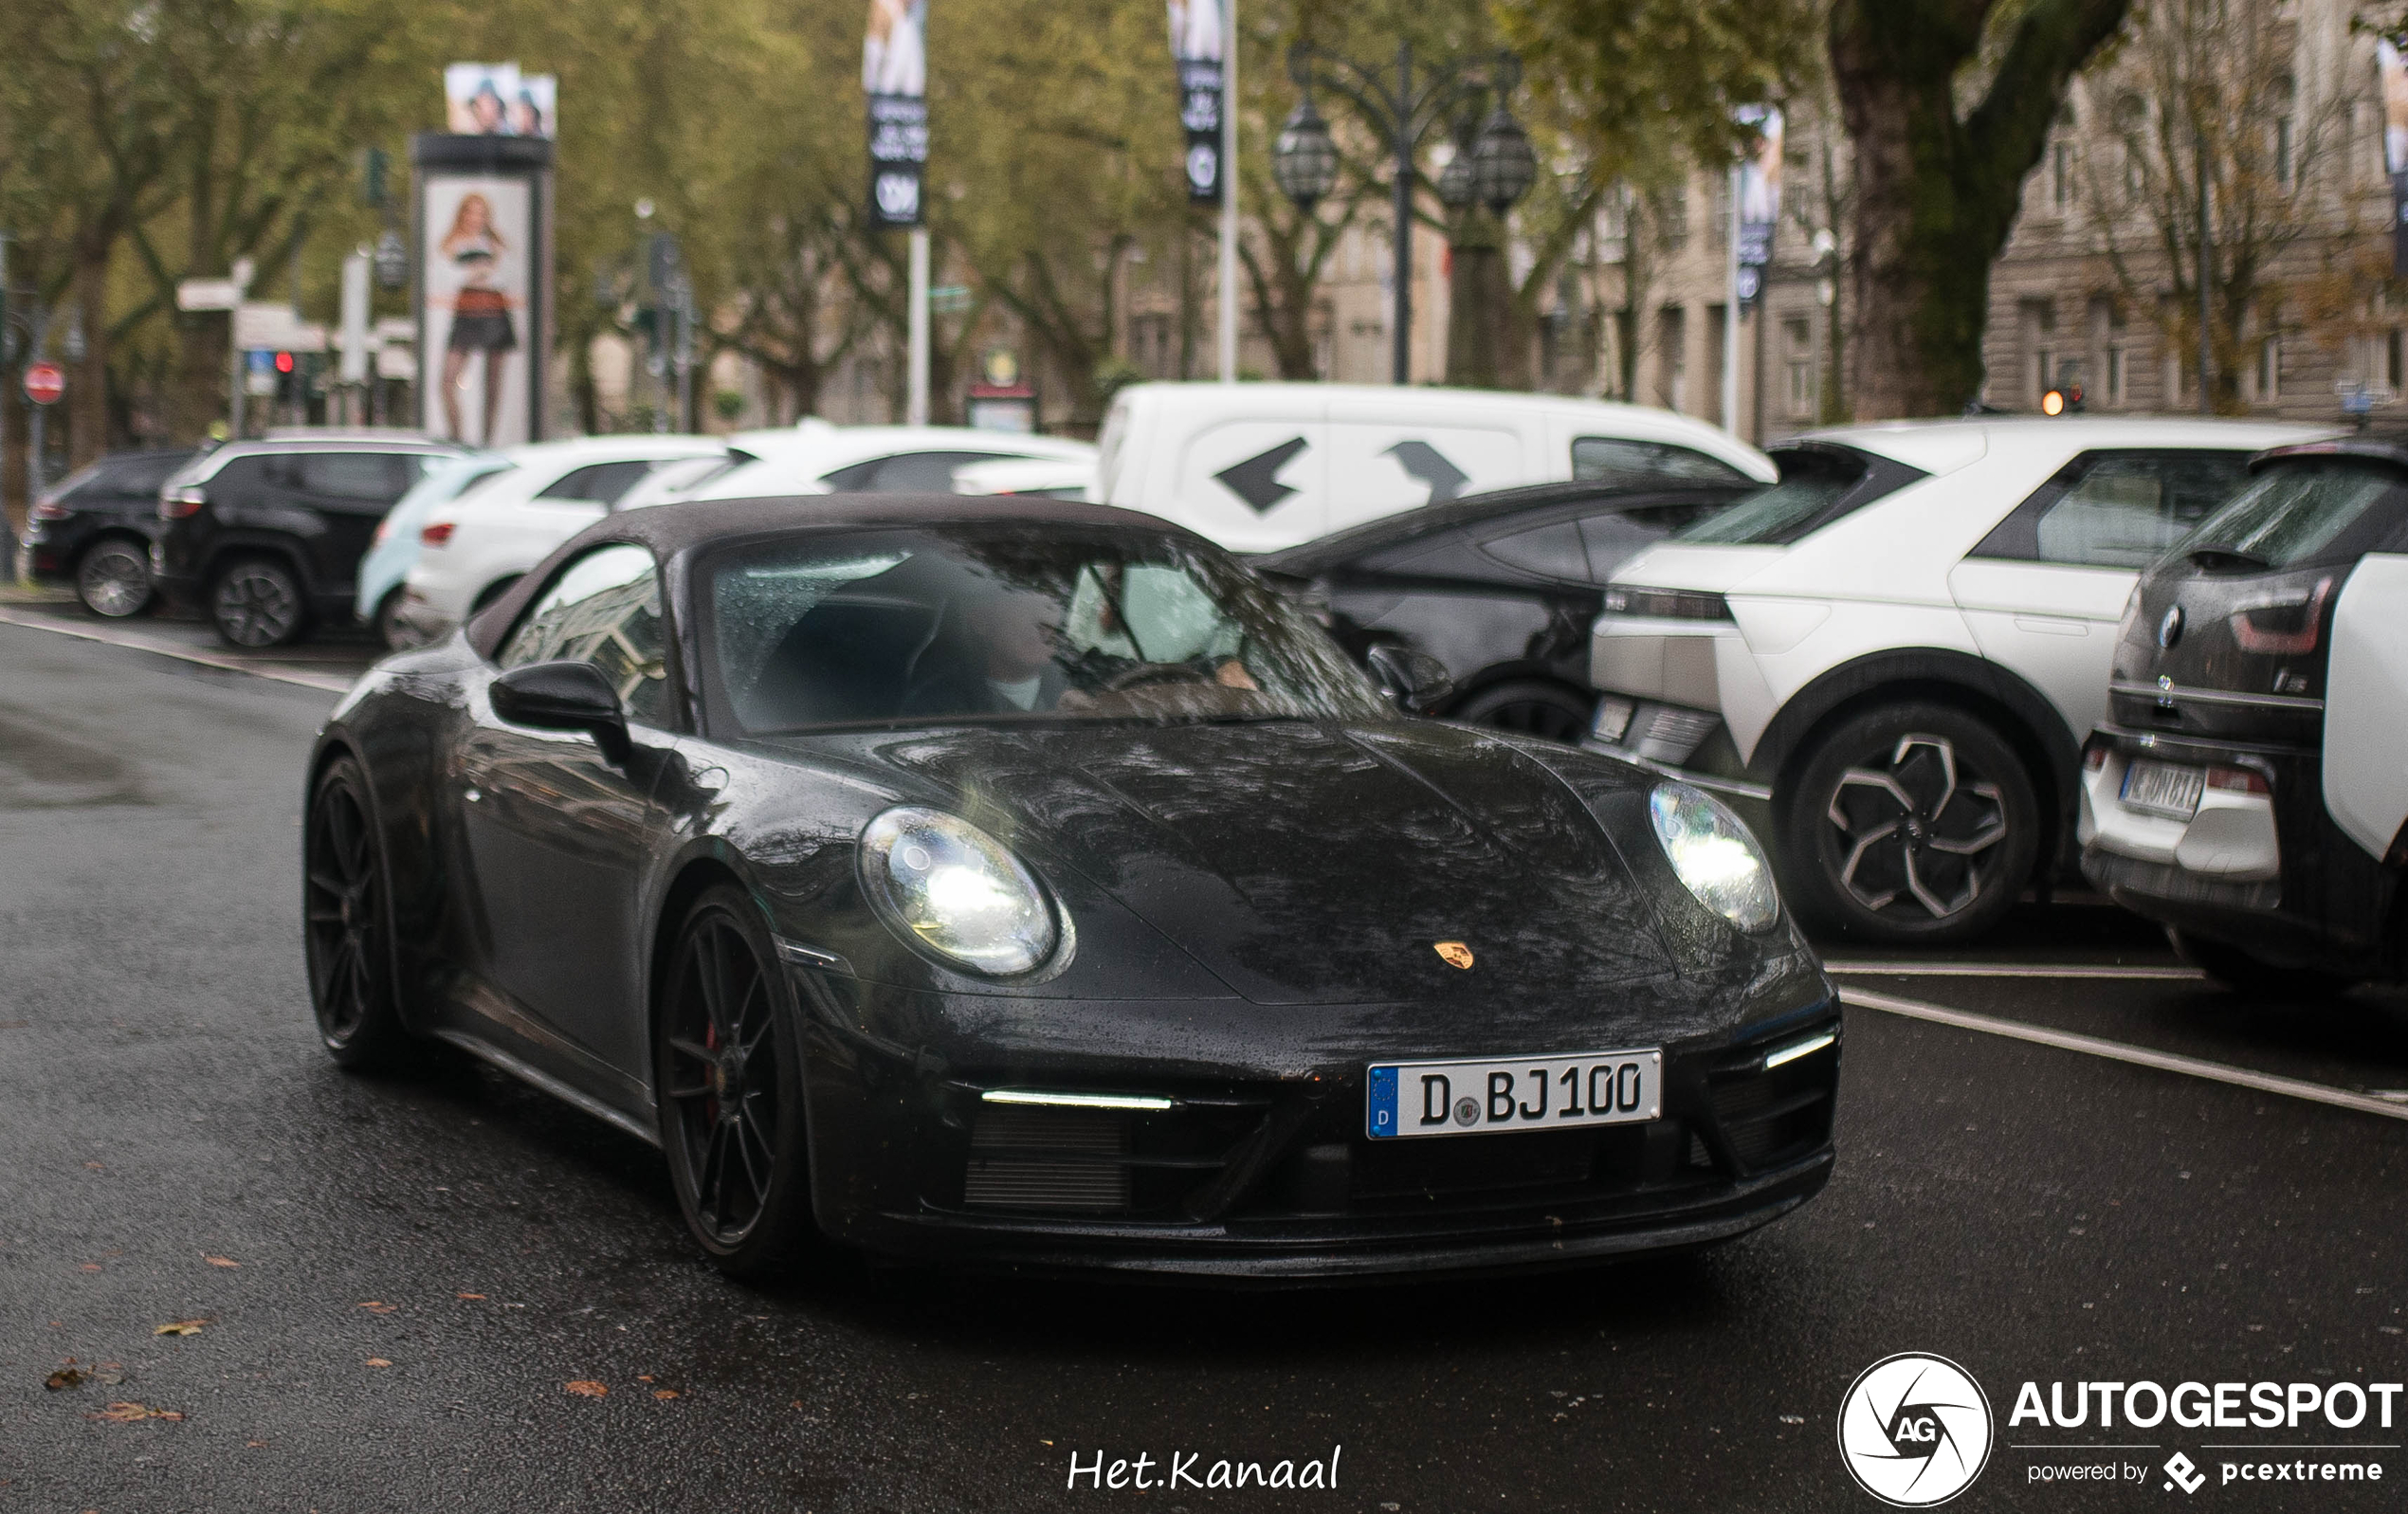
(1261, 467)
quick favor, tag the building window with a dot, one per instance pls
(1676, 218)
(2061, 176)
(2286, 166)
(1672, 357)
(2269, 370)
(1798, 345)
(2115, 392)
(2394, 356)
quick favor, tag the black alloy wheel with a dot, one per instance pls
(347, 932)
(1909, 824)
(114, 579)
(730, 1079)
(255, 603)
(2243, 974)
(1530, 706)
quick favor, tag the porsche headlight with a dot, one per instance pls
(1714, 856)
(956, 891)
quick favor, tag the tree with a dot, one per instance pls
(2206, 86)
(1936, 186)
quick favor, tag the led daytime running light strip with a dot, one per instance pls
(1800, 1048)
(1074, 1101)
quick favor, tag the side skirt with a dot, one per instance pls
(528, 1073)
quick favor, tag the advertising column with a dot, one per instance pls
(483, 287)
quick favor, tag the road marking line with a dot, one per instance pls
(324, 682)
(2119, 1052)
(2116, 970)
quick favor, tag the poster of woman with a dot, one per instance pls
(894, 57)
(477, 234)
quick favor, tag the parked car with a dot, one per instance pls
(1890, 659)
(1020, 882)
(1501, 589)
(395, 544)
(876, 460)
(265, 537)
(93, 529)
(447, 587)
(2247, 788)
(472, 548)
(1049, 477)
(1259, 468)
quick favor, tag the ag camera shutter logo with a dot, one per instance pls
(1914, 1430)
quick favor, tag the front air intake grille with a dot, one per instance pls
(1768, 1117)
(1037, 1159)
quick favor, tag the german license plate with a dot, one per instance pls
(1531, 1093)
(2161, 788)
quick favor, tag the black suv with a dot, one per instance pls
(94, 529)
(266, 536)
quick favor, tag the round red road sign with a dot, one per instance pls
(44, 382)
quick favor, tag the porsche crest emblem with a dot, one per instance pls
(1454, 954)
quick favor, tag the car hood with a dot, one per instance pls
(1307, 863)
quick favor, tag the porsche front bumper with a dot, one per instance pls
(1152, 1164)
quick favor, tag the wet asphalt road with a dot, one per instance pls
(423, 1266)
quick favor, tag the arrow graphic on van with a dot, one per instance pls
(1431, 467)
(1256, 480)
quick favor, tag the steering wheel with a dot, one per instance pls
(1145, 673)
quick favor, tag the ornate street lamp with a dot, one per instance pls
(1304, 160)
(1496, 171)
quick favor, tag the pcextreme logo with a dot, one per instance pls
(1914, 1430)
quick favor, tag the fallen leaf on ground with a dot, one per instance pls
(67, 1377)
(110, 1371)
(472, 1295)
(127, 1414)
(664, 1394)
(181, 1327)
(96, 1166)
(221, 1261)
(588, 1388)
(87, 1267)
(378, 1362)
(253, 1445)
(643, 1377)
(380, 1307)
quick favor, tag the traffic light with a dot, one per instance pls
(2062, 400)
(284, 362)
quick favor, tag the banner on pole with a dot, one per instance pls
(1197, 37)
(1760, 197)
(894, 73)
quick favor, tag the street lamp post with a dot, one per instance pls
(1304, 158)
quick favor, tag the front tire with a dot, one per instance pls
(347, 927)
(1530, 706)
(257, 603)
(114, 579)
(2243, 974)
(729, 1068)
(1910, 824)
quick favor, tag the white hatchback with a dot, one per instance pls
(473, 548)
(1889, 658)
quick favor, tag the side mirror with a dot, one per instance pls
(564, 696)
(1416, 681)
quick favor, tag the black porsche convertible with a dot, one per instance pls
(1024, 883)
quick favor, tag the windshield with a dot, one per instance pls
(1004, 624)
(2297, 513)
(1817, 485)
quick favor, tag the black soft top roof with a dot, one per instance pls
(675, 529)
